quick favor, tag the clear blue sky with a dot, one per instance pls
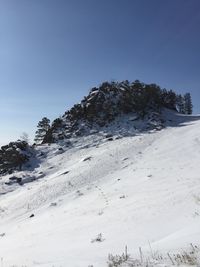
(53, 51)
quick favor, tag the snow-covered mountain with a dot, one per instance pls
(136, 190)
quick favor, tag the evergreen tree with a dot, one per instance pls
(180, 102)
(188, 104)
(43, 127)
(169, 99)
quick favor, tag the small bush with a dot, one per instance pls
(117, 260)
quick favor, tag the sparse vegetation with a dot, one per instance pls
(189, 257)
(99, 238)
(118, 260)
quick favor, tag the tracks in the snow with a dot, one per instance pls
(103, 195)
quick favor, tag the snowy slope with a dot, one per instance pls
(134, 190)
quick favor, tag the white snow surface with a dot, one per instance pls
(134, 190)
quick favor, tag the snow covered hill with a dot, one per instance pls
(135, 191)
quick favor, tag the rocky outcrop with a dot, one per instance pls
(105, 103)
(13, 156)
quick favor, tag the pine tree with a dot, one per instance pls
(168, 99)
(180, 102)
(43, 127)
(188, 104)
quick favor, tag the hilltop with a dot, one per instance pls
(110, 103)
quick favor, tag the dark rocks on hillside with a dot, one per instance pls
(88, 158)
(108, 135)
(19, 180)
(15, 179)
(13, 156)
